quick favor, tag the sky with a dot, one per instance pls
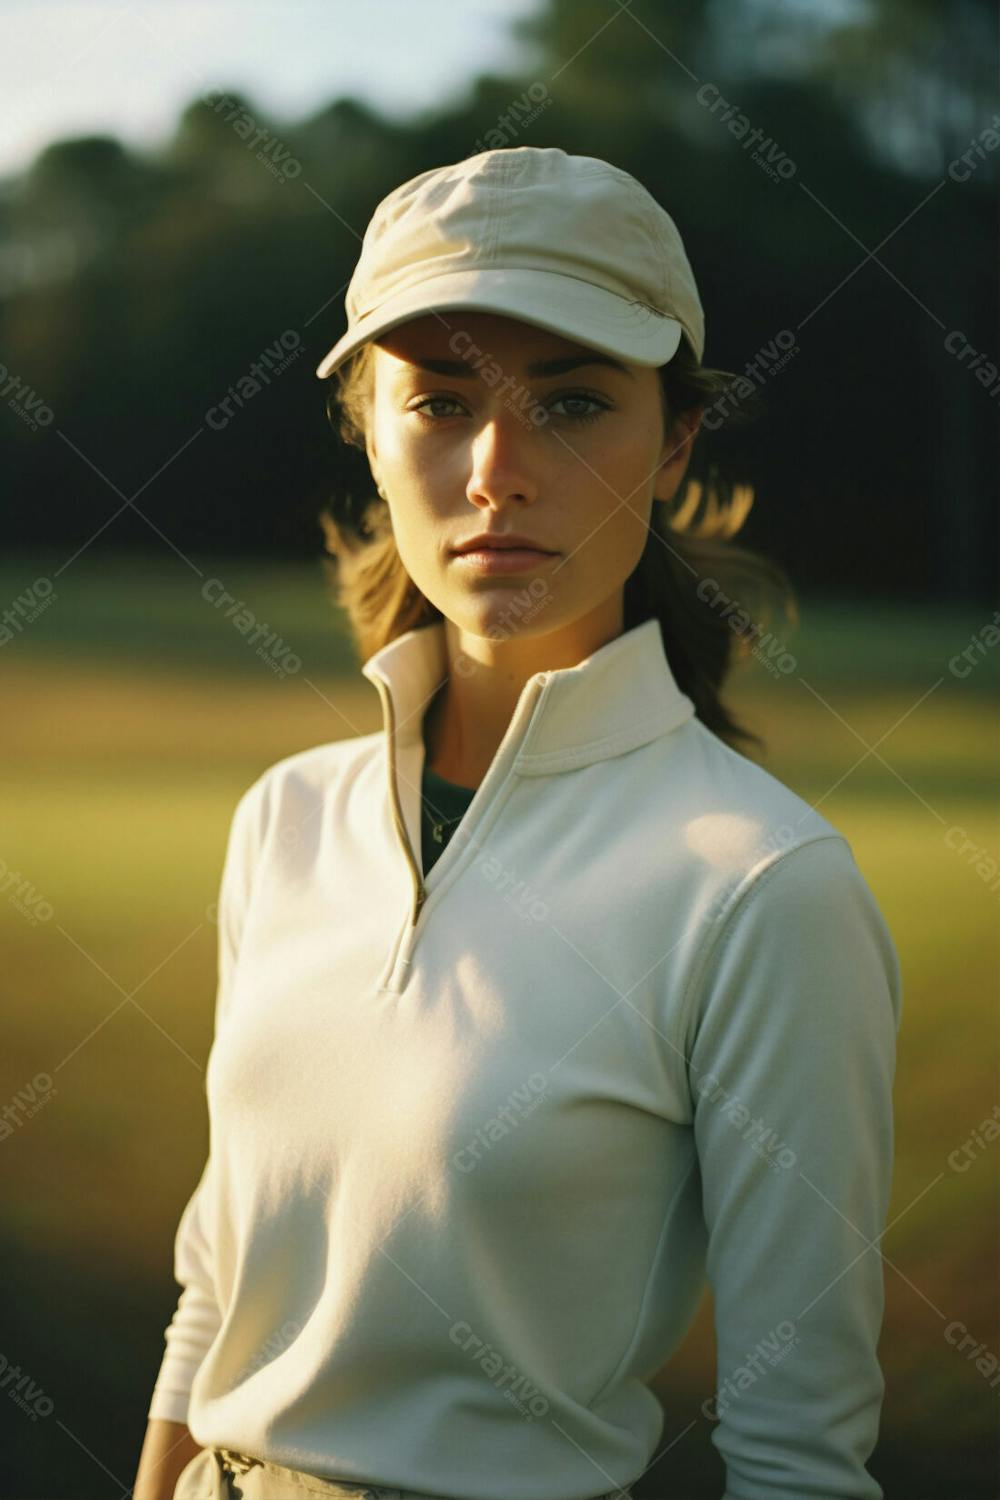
(128, 67)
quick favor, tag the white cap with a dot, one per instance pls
(570, 243)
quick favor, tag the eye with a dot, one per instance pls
(586, 416)
(431, 401)
(570, 396)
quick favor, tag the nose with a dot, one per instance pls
(502, 468)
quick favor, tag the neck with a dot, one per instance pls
(470, 713)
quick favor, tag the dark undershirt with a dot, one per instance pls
(448, 803)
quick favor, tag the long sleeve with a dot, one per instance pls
(791, 1048)
(197, 1316)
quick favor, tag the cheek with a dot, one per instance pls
(627, 534)
(387, 436)
(636, 459)
(619, 478)
(417, 532)
(622, 454)
(397, 435)
(412, 466)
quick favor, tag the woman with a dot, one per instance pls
(543, 1002)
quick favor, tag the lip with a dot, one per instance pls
(504, 559)
(500, 541)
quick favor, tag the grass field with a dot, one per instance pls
(137, 714)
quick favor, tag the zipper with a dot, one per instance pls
(498, 770)
(419, 891)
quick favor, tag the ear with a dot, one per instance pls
(677, 453)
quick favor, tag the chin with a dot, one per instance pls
(505, 608)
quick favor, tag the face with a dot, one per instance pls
(494, 439)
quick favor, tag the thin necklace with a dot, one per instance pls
(438, 825)
(437, 829)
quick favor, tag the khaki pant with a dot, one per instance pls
(219, 1474)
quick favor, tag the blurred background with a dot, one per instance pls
(184, 189)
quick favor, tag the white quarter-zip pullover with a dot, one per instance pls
(476, 1141)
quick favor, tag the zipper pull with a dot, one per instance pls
(406, 950)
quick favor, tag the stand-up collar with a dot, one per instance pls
(619, 697)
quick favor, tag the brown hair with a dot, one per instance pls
(689, 544)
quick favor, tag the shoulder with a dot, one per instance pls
(781, 892)
(800, 946)
(296, 782)
(737, 803)
(727, 821)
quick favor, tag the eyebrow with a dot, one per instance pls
(560, 366)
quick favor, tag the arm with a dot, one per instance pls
(197, 1317)
(168, 1444)
(791, 1068)
(167, 1449)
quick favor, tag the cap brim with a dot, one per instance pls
(576, 309)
